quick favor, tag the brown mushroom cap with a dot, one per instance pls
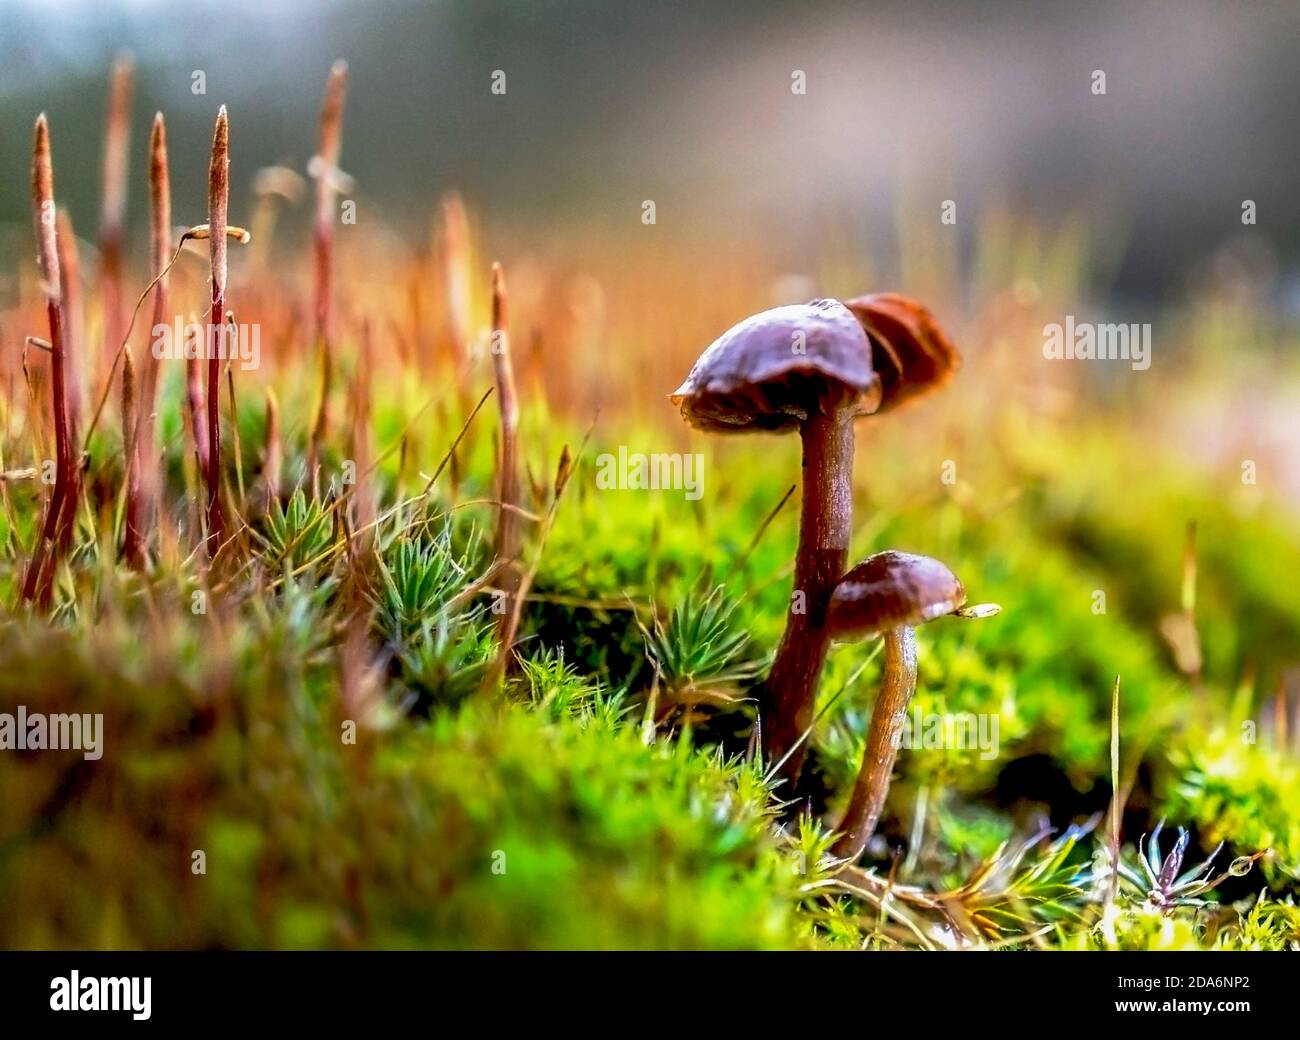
(889, 590)
(913, 354)
(776, 369)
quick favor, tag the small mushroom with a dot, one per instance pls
(889, 593)
(804, 367)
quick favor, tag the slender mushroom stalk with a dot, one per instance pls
(897, 685)
(61, 506)
(825, 527)
(218, 199)
(888, 594)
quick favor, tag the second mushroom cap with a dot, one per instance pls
(889, 590)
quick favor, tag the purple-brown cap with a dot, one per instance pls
(777, 368)
(891, 590)
(913, 354)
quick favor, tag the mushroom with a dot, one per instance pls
(889, 593)
(809, 367)
(804, 367)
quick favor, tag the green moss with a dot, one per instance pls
(547, 827)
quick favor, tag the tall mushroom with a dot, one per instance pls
(809, 367)
(805, 367)
(889, 593)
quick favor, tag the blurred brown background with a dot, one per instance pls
(609, 104)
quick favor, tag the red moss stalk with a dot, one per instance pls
(196, 408)
(327, 180)
(61, 506)
(362, 454)
(218, 200)
(129, 419)
(73, 327)
(508, 517)
(143, 477)
(117, 134)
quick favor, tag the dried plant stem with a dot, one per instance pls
(327, 180)
(507, 533)
(117, 133)
(60, 508)
(218, 200)
(73, 327)
(143, 478)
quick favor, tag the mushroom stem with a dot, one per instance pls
(897, 684)
(825, 525)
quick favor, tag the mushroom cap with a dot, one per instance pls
(889, 590)
(913, 354)
(777, 368)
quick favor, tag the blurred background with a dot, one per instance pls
(607, 105)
